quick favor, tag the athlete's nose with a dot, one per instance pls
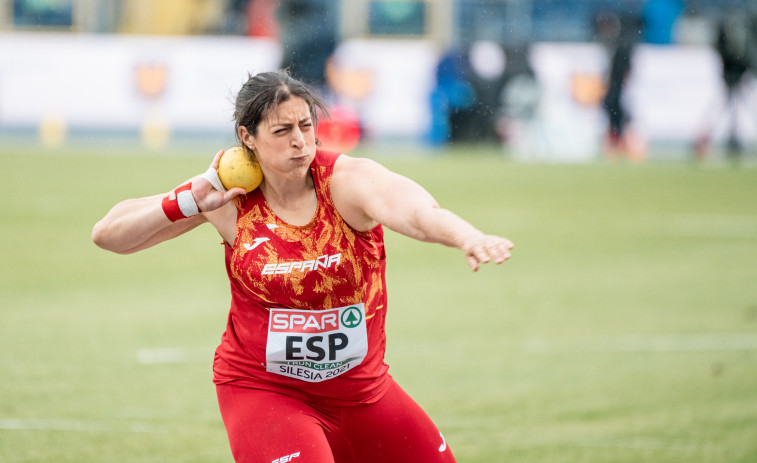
(298, 139)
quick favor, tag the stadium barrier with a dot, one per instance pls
(158, 86)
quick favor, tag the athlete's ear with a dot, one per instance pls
(246, 137)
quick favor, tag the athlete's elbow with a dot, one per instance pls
(104, 237)
(423, 223)
(438, 225)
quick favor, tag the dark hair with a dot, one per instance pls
(264, 92)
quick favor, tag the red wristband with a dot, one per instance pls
(182, 205)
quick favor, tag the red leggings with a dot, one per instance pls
(267, 427)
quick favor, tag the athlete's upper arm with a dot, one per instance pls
(366, 194)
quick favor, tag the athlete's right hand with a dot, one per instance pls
(485, 248)
(207, 197)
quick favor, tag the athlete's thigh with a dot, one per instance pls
(393, 429)
(266, 427)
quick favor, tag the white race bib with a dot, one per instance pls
(316, 345)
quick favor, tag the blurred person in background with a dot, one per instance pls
(660, 18)
(453, 94)
(488, 65)
(736, 45)
(308, 38)
(300, 371)
(466, 101)
(620, 34)
(235, 19)
(253, 18)
(261, 18)
(519, 98)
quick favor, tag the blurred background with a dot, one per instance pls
(556, 80)
(614, 141)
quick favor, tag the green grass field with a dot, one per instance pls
(624, 329)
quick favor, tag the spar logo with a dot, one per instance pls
(352, 317)
(284, 321)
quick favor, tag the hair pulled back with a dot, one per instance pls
(263, 92)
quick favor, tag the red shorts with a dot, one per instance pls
(268, 427)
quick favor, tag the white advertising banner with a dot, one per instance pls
(108, 81)
(390, 84)
(674, 93)
(678, 94)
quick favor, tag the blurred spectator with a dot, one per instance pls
(488, 65)
(660, 17)
(453, 94)
(235, 18)
(254, 18)
(261, 18)
(466, 101)
(607, 29)
(309, 31)
(623, 37)
(519, 98)
(736, 45)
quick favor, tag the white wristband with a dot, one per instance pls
(187, 203)
(211, 175)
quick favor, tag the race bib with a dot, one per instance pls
(316, 345)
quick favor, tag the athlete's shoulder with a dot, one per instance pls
(326, 158)
(358, 169)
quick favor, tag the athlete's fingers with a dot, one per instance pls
(233, 193)
(486, 248)
(499, 249)
(481, 253)
(216, 160)
(475, 255)
(472, 262)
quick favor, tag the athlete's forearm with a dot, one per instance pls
(442, 226)
(136, 224)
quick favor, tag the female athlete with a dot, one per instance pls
(300, 371)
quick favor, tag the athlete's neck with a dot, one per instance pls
(294, 202)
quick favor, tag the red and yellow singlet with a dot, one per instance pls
(308, 304)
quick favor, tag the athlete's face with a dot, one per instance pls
(285, 142)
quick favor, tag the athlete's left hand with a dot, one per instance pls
(485, 248)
